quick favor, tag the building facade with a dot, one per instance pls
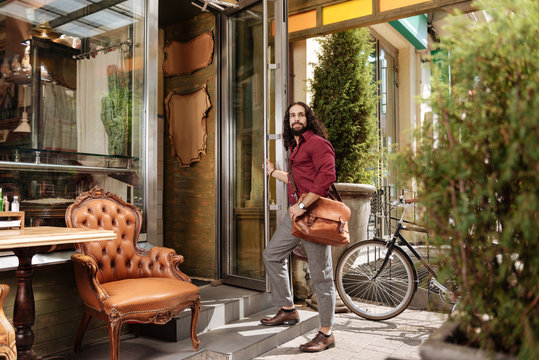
(174, 105)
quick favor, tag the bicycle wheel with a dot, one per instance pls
(387, 295)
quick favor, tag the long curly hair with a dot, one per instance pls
(312, 124)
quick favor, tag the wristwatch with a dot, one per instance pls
(301, 206)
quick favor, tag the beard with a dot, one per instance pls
(300, 131)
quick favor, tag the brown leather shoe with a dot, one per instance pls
(319, 343)
(282, 318)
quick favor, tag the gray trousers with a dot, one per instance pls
(319, 258)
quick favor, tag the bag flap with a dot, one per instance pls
(330, 210)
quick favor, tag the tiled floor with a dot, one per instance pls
(356, 338)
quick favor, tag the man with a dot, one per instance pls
(312, 165)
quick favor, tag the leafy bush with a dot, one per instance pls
(478, 176)
(344, 99)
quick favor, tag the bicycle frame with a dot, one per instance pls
(445, 294)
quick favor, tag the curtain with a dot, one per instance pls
(58, 117)
(92, 86)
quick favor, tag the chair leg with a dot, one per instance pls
(115, 328)
(82, 328)
(195, 312)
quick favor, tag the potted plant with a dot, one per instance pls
(344, 97)
(477, 170)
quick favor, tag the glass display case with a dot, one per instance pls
(47, 181)
(71, 103)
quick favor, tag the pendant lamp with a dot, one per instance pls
(44, 31)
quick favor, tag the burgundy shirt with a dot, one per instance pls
(313, 166)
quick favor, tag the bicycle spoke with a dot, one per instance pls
(367, 289)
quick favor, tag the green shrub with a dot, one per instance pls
(344, 99)
(478, 176)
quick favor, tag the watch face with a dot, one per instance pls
(301, 205)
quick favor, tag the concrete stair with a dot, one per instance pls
(246, 338)
(220, 305)
(229, 328)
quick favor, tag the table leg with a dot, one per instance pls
(24, 309)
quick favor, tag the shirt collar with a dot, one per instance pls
(303, 137)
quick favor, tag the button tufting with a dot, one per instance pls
(104, 209)
(128, 222)
(104, 251)
(119, 250)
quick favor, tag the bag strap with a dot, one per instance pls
(335, 195)
(294, 188)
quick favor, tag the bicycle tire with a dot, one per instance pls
(386, 296)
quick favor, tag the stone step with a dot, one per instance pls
(246, 338)
(225, 311)
(242, 339)
(220, 305)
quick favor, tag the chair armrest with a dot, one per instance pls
(162, 262)
(86, 271)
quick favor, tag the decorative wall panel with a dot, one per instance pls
(186, 115)
(186, 57)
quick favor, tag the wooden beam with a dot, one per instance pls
(377, 17)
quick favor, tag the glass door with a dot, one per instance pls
(388, 118)
(250, 100)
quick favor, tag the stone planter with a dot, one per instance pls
(358, 198)
(439, 347)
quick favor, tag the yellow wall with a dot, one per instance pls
(386, 5)
(346, 11)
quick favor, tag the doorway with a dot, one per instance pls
(255, 65)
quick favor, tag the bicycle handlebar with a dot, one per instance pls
(402, 201)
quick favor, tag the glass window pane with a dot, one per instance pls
(71, 102)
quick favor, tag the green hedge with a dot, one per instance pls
(477, 167)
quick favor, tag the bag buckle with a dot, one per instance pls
(341, 225)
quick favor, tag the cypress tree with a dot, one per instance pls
(344, 99)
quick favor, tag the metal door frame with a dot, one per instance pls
(280, 67)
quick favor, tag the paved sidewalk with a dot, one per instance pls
(357, 338)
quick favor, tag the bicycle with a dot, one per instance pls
(376, 278)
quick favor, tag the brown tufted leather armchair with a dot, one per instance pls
(8, 349)
(120, 282)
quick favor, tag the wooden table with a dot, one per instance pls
(25, 243)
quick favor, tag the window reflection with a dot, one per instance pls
(71, 91)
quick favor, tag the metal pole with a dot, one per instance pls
(265, 102)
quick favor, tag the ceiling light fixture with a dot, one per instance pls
(44, 31)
